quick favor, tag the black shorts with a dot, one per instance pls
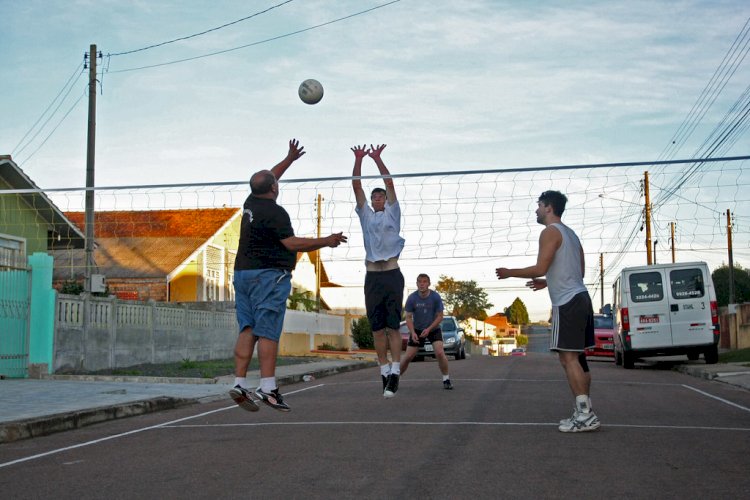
(433, 336)
(384, 298)
(573, 325)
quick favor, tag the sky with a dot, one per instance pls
(448, 86)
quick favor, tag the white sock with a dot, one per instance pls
(583, 403)
(268, 384)
(396, 368)
(385, 370)
(241, 381)
(446, 377)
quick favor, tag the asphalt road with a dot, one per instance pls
(664, 435)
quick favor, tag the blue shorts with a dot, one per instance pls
(260, 298)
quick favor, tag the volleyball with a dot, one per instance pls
(311, 91)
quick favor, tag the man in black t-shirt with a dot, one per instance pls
(266, 256)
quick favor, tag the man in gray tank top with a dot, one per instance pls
(561, 261)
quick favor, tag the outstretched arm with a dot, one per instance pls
(297, 244)
(390, 190)
(295, 151)
(359, 194)
(549, 241)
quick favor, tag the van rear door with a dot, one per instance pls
(648, 308)
(690, 306)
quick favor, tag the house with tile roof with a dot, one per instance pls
(29, 221)
(183, 255)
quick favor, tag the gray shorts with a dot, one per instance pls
(573, 325)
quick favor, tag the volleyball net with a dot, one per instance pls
(461, 224)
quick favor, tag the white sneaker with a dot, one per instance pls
(583, 422)
(572, 417)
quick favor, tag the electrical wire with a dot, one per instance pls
(279, 37)
(201, 33)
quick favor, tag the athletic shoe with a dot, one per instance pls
(385, 381)
(447, 385)
(572, 417)
(584, 422)
(392, 386)
(243, 398)
(272, 399)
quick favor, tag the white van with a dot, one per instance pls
(663, 310)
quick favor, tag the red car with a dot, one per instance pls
(604, 331)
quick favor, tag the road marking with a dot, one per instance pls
(135, 431)
(717, 398)
(427, 424)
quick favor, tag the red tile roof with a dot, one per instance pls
(194, 223)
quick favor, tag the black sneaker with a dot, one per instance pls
(447, 385)
(385, 381)
(243, 398)
(272, 399)
(392, 386)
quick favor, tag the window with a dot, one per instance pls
(12, 252)
(646, 287)
(603, 322)
(687, 283)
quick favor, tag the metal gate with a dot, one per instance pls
(15, 304)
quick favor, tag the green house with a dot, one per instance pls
(29, 221)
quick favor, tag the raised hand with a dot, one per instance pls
(375, 151)
(359, 151)
(295, 150)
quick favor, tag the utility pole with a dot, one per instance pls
(317, 260)
(601, 278)
(671, 226)
(731, 261)
(648, 219)
(90, 162)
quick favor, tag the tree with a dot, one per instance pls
(463, 299)
(302, 300)
(720, 277)
(517, 313)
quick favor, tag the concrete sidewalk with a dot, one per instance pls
(31, 407)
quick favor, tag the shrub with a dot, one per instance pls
(71, 287)
(328, 347)
(522, 340)
(362, 333)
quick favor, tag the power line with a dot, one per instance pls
(76, 71)
(259, 42)
(202, 32)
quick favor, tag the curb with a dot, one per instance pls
(42, 426)
(59, 422)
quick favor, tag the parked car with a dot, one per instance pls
(454, 341)
(404, 331)
(664, 310)
(604, 331)
(518, 351)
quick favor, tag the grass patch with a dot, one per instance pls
(736, 356)
(190, 368)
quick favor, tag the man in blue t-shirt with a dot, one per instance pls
(424, 313)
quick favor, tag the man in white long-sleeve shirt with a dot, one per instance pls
(561, 261)
(384, 283)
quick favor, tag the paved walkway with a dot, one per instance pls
(30, 408)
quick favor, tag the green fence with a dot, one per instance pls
(15, 304)
(27, 314)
